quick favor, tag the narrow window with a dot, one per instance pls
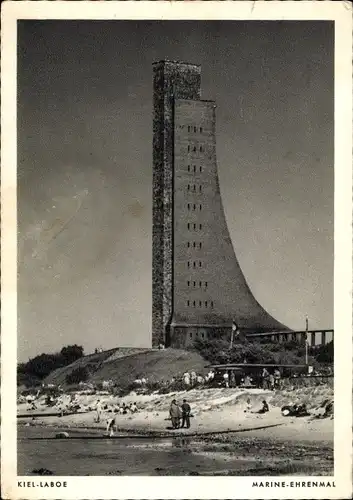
(194, 304)
(200, 244)
(200, 263)
(194, 226)
(194, 244)
(194, 264)
(200, 284)
(188, 263)
(191, 335)
(188, 187)
(188, 303)
(188, 206)
(203, 335)
(194, 283)
(194, 168)
(200, 149)
(188, 244)
(189, 225)
(188, 128)
(189, 148)
(200, 206)
(206, 284)
(211, 303)
(201, 130)
(188, 168)
(200, 226)
(205, 303)
(200, 303)
(194, 129)
(194, 206)
(200, 169)
(200, 188)
(194, 187)
(194, 149)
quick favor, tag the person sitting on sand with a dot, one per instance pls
(264, 408)
(175, 414)
(133, 408)
(248, 405)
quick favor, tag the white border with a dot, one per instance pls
(183, 487)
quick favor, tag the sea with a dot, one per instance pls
(125, 455)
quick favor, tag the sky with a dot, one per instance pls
(85, 170)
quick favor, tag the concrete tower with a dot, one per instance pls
(198, 285)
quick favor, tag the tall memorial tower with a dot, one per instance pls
(198, 288)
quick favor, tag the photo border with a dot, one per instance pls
(182, 487)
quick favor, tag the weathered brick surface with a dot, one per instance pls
(198, 286)
(170, 80)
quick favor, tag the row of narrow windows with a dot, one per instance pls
(195, 244)
(200, 303)
(194, 148)
(194, 168)
(190, 226)
(193, 129)
(194, 188)
(194, 264)
(194, 206)
(193, 283)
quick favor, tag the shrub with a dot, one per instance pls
(80, 374)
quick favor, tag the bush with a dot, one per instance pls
(80, 374)
(217, 351)
(39, 367)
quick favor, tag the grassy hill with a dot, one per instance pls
(125, 365)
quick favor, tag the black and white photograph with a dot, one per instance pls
(177, 213)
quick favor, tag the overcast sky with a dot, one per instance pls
(85, 170)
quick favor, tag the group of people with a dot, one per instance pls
(271, 381)
(180, 414)
(191, 379)
(122, 409)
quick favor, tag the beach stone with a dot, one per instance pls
(62, 435)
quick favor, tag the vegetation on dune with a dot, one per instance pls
(36, 369)
(161, 366)
(217, 351)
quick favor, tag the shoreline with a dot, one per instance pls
(212, 423)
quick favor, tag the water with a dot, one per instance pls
(128, 456)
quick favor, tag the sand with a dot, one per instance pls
(214, 411)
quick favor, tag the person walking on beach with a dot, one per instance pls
(98, 411)
(175, 414)
(185, 408)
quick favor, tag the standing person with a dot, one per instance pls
(265, 377)
(98, 411)
(193, 378)
(186, 379)
(277, 378)
(175, 414)
(232, 379)
(226, 379)
(271, 380)
(185, 408)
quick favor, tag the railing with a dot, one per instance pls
(315, 337)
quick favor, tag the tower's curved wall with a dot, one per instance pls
(198, 285)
